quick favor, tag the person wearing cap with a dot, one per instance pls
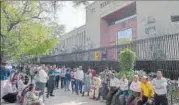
(146, 91)
(160, 87)
(4, 77)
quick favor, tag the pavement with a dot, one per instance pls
(66, 98)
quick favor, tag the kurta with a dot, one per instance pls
(87, 83)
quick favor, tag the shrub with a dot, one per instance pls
(126, 60)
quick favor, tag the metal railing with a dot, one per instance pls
(157, 48)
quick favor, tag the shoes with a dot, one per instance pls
(47, 95)
(52, 95)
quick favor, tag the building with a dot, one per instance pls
(110, 21)
(73, 41)
(116, 22)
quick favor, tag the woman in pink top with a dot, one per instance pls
(135, 90)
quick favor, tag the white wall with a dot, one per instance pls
(71, 40)
(161, 11)
(93, 24)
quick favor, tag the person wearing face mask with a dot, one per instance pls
(160, 88)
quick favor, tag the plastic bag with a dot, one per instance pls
(8, 88)
(41, 101)
(91, 94)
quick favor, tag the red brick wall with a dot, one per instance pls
(108, 34)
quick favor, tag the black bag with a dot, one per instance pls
(10, 97)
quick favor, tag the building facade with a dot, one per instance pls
(111, 23)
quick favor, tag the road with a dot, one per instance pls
(67, 98)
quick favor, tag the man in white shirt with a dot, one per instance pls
(123, 90)
(41, 80)
(79, 78)
(160, 87)
(114, 85)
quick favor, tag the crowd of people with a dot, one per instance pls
(34, 83)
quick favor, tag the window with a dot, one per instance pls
(124, 36)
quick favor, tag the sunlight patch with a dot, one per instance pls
(72, 103)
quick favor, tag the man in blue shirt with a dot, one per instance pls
(4, 78)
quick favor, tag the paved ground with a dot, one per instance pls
(67, 98)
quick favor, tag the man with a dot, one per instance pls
(105, 81)
(62, 74)
(160, 87)
(4, 78)
(79, 79)
(123, 90)
(57, 78)
(114, 84)
(146, 91)
(51, 81)
(41, 80)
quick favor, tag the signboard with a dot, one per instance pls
(96, 55)
(124, 36)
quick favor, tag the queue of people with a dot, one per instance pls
(105, 86)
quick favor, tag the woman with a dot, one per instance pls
(67, 80)
(31, 98)
(97, 85)
(87, 83)
(21, 85)
(14, 81)
(135, 90)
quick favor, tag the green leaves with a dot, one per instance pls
(22, 34)
(126, 59)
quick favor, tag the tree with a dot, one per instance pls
(126, 62)
(21, 29)
(24, 30)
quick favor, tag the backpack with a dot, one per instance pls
(10, 97)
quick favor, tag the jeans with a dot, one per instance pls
(104, 90)
(50, 87)
(119, 93)
(62, 82)
(41, 86)
(67, 84)
(132, 96)
(57, 81)
(78, 86)
(73, 86)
